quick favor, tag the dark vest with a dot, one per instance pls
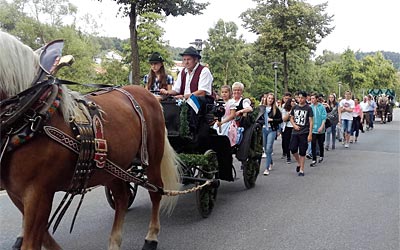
(194, 83)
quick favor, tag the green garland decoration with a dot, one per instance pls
(193, 160)
(184, 125)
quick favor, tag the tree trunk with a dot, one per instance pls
(134, 46)
(285, 73)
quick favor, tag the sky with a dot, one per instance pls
(360, 25)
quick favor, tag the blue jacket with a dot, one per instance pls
(319, 112)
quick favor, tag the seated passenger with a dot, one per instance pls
(227, 125)
(243, 105)
(157, 79)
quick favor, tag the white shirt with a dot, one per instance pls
(288, 123)
(347, 104)
(364, 106)
(246, 102)
(205, 81)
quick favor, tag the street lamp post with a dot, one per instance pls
(276, 79)
(340, 85)
(275, 66)
(198, 44)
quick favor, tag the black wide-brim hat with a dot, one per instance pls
(191, 51)
(156, 57)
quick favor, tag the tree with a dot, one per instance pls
(135, 8)
(224, 53)
(287, 25)
(348, 70)
(150, 40)
(379, 72)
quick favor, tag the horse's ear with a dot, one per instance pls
(50, 54)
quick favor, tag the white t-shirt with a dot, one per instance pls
(364, 106)
(288, 123)
(347, 104)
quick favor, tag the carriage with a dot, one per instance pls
(206, 157)
(384, 99)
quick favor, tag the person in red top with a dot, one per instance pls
(194, 79)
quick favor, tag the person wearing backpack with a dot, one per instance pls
(333, 117)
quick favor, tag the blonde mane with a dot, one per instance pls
(19, 65)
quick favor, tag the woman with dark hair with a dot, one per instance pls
(287, 128)
(333, 116)
(157, 78)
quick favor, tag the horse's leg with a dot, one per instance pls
(37, 208)
(48, 241)
(18, 243)
(154, 227)
(120, 193)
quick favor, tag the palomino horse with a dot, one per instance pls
(383, 104)
(32, 172)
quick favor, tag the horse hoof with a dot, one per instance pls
(150, 245)
(18, 244)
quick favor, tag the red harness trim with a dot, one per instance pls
(100, 144)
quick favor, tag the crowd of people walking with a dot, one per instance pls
(312, 125)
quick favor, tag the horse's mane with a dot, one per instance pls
(19, 65)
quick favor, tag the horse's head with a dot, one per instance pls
(19, 65)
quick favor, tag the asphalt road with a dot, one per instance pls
(349, 202)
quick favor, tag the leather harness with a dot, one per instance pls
(25, 114)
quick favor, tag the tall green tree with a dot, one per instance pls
(349, 70)
(379, 72)
(135, 8)
(287, 25)
(150, 40)
(224, 53)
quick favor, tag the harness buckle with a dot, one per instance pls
(36, 122)
(100, 145)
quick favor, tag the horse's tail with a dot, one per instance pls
(170, 174)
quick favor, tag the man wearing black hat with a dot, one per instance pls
(194, 79)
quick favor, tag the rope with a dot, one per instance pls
(191, 190)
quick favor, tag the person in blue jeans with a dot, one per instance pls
(346, 107)
(272, 117)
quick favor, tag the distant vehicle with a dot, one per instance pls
(385, 100)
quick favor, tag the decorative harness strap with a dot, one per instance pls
(112, 168)
(144, 156)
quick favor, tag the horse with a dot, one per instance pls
(32, 172)
(383, 105)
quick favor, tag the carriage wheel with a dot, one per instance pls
(132, 195)
(206, 197)
(251, 166)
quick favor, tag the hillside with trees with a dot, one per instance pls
(391, 56)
